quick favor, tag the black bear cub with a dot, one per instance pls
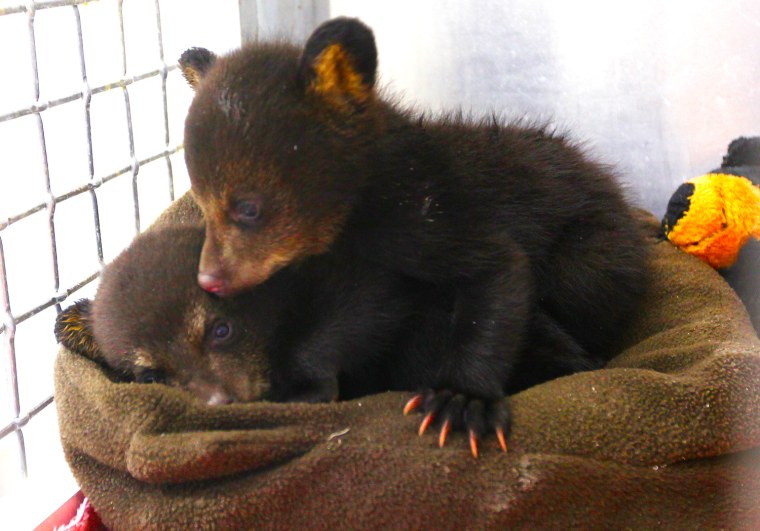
(290, 339)
(292, 151)
(150, 323)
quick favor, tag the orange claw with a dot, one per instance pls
(425, 423)
(474, 444)
(445, 429)
(502, 440)
(413, 404)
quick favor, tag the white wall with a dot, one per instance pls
(657, 88)
(290, 19)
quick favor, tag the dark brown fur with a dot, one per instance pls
(292, 152)
(150, 322)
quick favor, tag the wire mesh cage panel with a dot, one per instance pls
(91, 114)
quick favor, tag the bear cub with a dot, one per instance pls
(293, 151)
(290, 339)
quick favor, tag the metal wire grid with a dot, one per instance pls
(9, 320)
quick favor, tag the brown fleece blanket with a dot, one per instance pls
(668, 435)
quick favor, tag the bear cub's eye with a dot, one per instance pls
(150, 376)
(247, 211)
(221, 331)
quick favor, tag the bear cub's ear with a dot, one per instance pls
(73, 330)
(339, 62)
(194, 64)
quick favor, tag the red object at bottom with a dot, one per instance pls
(77, 514)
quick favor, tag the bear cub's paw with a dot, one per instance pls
(456, 411)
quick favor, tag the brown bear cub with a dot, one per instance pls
(149, 323)
(290, 339)
(532, 246)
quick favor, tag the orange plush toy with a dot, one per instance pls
(716, 216)
(713, 216)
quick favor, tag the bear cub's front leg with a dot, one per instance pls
(487, 330)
